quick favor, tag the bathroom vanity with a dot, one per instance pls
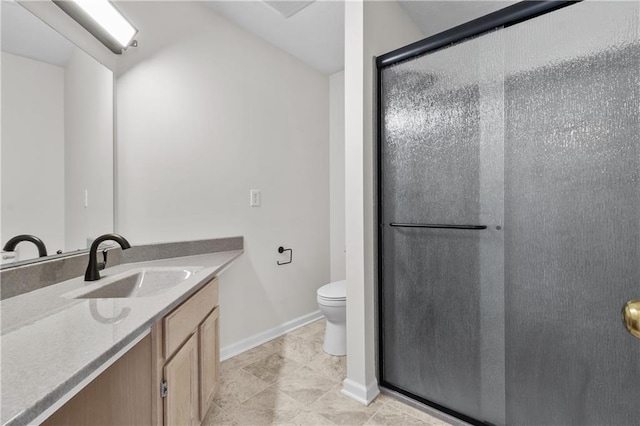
(145, 354)
(169, 377)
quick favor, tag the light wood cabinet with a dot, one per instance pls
(121, 395)
(182, 404)
(182, 352)
(183, 321)
(209, 361)
(186, 356)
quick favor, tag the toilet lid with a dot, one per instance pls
(334, 291)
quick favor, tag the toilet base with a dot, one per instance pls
(335, 339)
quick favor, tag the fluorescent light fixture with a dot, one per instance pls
(103, 20)
(109, 18)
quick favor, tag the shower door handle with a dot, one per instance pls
(437, 226)
(631, 317)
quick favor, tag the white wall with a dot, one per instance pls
(88, 149)
(372, 28)
(206, 112)
(336, 173)
(32, 153)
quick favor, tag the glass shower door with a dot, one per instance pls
(572, 216)
(442, 306)
(531, 135)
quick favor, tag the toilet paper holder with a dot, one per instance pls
(282, 250)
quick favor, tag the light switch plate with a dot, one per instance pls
(255, 198)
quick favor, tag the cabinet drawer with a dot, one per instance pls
(184, 320)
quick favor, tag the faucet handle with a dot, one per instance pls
(103, 264)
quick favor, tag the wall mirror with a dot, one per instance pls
(56, 148)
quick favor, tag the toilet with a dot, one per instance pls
(332, 301)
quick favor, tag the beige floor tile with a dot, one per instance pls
(384, 398)
(272, 367)
(231, 364)
(414, 412)
(292, 381)
(298, 349)
(301, 332)
(308, 419)
(305, 385)
(308, 330)
(214, 411)
(390, 416)
(344, 411)
(347, 418)
(269, 407)
(237, 386)
(276, 345)
(317, 337)
(334, 367)
(335, 400)
(434, 421)
(248, 357)
(319, 325)
(223, 419)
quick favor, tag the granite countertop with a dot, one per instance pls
(51, 343)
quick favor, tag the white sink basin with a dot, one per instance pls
(144, 282)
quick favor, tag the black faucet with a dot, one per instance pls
(93, 269)
(12, 243)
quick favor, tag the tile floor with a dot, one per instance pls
(291, 381)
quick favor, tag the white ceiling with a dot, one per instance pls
(315, 35)
(433, 17)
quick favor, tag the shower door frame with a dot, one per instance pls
(502, 18)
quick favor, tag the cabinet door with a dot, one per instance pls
(209, 360)
(181, 373)
(121, 395)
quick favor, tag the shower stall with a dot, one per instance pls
(509, 216)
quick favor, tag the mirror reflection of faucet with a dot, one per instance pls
(93, 308)
(9, 250)
(9, 257)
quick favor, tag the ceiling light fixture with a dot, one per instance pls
(103, 21)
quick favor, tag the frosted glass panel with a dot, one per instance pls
(432, 327)
(432, 153)
(533, 131)
(572, 205)
(443, 317)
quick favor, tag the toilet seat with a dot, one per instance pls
(332, 302)
(333, 292)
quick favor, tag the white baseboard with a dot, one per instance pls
(260, 338)
(363, 394)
